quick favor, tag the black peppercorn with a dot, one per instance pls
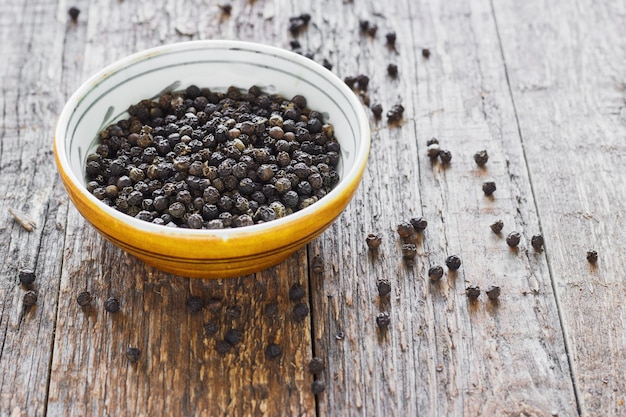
(296, 292)
(473, 292)
(226, 8)
(419, 224)
(592, 256)
(537, 242)
(318, 387)
(426, 53)
(316, 366)
(211, 328)
(300, 311)
(233, 337)
(433, 150)
(30, 298)
(445, 156)
(112, 305)
(362, 81)
(377, 110)
(453, 262)
(373, 241)
(27, 276)
(222, 347)
(194, 304)
(409, 250)
(481, 158)
(432, 141)
(273, 351)
(74, 12)
(384, 287)
(383, 320)
(295, 44)
(513, 239)
(435, 273)
(391, 38)
(493, 292)
(489, 187)
(392, 70)
(395, 114)
(84, 299)
(133, 354)
(496, 227)
(405, 230)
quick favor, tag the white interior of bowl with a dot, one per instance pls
(106, 96)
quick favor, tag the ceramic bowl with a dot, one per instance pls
(106, 96)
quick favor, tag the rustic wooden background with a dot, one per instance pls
(540, 84)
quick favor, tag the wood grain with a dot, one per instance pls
(570, 99)
(539, 85)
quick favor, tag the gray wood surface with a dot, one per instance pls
(540, 85)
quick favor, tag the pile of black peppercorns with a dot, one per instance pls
(201, 159)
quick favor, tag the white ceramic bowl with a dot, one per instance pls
(106, 96)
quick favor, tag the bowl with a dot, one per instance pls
(216, 64)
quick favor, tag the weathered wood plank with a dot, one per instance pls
(30, 102)
(442, 354)
(566, 72)
(180, 371)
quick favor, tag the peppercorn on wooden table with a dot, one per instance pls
(540, 85)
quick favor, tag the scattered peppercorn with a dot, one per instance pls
(84, 298)
(362, 81)
(327, 64)
(318, 387)
(30, 298)
(233, 337)
(27, 276)
(419, 224)
(473, 292)
(453, 262)
(383, 319)
(489, 187)
(296, 292)
(373, 241)
(496, 227)
(592, 256)
(194, 304)
(513, 239)
(112, 305)
(409, 250)
(384, 287)
(222, 347)
(433, 150)
(132, 353)
(493, 292)
(226, 8)
(426, 53)
(395, 114)
(298, 23)
(392, 70)
(74, 12)
(295, 44)
(211, 328)
(391, 38)
(445, 156)
(300, 311)
(432, 141)
(435, 273)
(405, 230)
(273, 351)
(316, 366)
(481, 158)
(377, 110)
(537, 242)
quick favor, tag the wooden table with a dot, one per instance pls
(540, 85)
